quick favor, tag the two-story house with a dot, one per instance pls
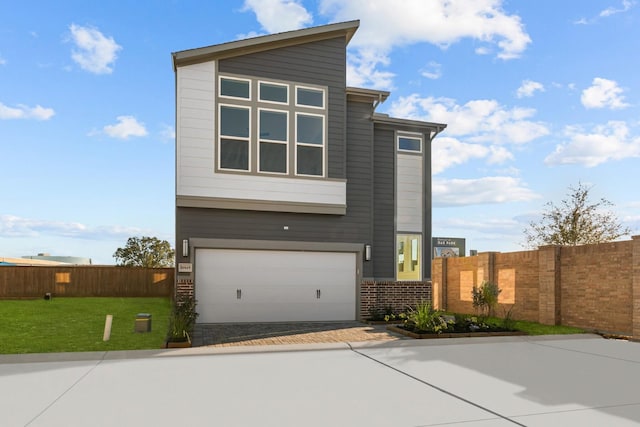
(290, 189)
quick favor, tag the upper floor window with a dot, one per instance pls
(309, 97)
(234, 128)
(271, 127)
(273, 92)
(410, 143)
(235, 88)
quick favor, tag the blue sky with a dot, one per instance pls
(538, 96)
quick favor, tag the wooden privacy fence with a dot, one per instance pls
(85, 281)
(594, 287)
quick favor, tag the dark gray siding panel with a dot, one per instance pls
(360, 171)
(321, 63)
(384, 204)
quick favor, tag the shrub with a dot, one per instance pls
(182, 318)
(425, 318)
(485, 298)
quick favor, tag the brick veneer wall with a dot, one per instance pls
(596, 287)
(378, 295)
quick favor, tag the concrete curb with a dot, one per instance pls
(276, 348)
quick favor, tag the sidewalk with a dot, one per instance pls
(577, 380)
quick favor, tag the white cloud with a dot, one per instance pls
(433, 71)
(127, 126)
(603, 143)
(605, 13)
(479, 120)
(528, 88)
(603, 93)
(2, 60)
(384, 25)
(626, 5)
(276, 16)
(448, 152)
(14, 226)
(486, 190)
(25, 112)
(168, 133)
(93, 51)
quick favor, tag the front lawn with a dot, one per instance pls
(77, 324)
(533, 328)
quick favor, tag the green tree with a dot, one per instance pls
(576, 221)
(145, 252)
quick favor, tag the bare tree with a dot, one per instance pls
(577, 221)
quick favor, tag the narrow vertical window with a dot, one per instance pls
(409, 255)
(273, 141)
(234, 138)
(309, 144)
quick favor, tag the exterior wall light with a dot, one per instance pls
(367, 252)
(185, 247)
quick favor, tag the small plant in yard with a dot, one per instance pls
(182, 319)
(425, 318)
(485, 298)
(508, 322)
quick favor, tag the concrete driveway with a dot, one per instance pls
(578, 380)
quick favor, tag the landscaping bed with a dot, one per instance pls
(431, 335)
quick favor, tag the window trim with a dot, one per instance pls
(306, 144)
(410, 135)
(241, 79)
(255, 104)
(237, 138)
(311, 88)
(273, 141)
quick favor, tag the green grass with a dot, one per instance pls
(77, 324)
(533, 328)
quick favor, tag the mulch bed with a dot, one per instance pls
(432, 335)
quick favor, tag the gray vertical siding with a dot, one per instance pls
(319, 63)
(384, 203)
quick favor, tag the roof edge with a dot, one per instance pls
(266, 42)
(386, 119)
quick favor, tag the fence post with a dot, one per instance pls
(549, 297)
(635, 286)
(439, 283)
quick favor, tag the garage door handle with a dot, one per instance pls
(238, 293)
(318, 293)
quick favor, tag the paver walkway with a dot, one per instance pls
(225, 335)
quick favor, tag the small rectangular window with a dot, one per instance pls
(309, 129)
(234, 154)
(406, 143)
(235, 88)
(309, 160)
(273, 157)
(310, 97)
(273, 125)
(234, 121)
(272, 92)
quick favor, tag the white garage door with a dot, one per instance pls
(274, 286)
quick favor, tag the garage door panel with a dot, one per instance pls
(274, 285)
